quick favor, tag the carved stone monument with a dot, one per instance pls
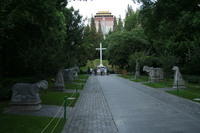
(155, 74)
(25, 96)
(70, 74)
(59, 83)
(75, 71)
(178, 80)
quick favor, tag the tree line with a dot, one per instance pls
(161, 33)
(38, 37)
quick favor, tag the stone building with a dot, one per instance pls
(106, 19)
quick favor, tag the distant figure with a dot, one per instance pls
(91, 70)
(102, 71)
(95, 71)
(88, 71)
(105, 71)
(108, 72)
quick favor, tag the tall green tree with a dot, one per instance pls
(38, 37)
(119, 24)
(121, 45)
(173, 28)
(74, 37)
(115, 24)
(132, 20)
(32, 37)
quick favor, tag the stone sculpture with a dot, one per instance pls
(25, 96)
(178, 80)
(59, 83)
(155, 74)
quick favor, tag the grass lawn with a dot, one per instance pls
(83, 76)
(162, 84)
(27, 124)
(3, 104)
(192, 91)
(78, 83)
(57, 98)
(78, 86)
(127, 76)
(142, 78)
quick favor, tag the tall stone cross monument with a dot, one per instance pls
(101, 49)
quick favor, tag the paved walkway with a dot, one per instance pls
(112, 104)
(91, 114)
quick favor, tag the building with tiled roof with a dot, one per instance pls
(106, 19)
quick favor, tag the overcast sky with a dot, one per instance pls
(116, 7)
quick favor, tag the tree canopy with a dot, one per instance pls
(38, 37)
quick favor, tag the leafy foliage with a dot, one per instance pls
(37, 37)
(121, 45)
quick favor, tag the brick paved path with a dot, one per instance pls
(110, 104)
(91, 113)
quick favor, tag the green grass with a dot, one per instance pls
(162, 84)
(3, 104)
(27, 124)
(131, 77)
(74, 86)
(57, 98)
(78, 83)
(192, 91)
(127, 76)
(83, 76)
(141, 79)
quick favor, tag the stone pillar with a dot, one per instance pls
(59, 84)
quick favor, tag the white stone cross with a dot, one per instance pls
(100, 49)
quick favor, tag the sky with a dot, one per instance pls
(91, 7)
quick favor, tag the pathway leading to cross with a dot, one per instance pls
(110, 104)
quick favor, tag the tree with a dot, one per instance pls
(37, 40)
(32, 37)
(115, 24)
(129, 11)
(173, 28)
(119, 24)
(132, 21)
(93, 26)
(74, 37)
(121, 45)
(137, 58)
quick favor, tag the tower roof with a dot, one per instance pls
(103, 14)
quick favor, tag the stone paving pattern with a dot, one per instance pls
(91, 113)
(140, 109)
(110, 104)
